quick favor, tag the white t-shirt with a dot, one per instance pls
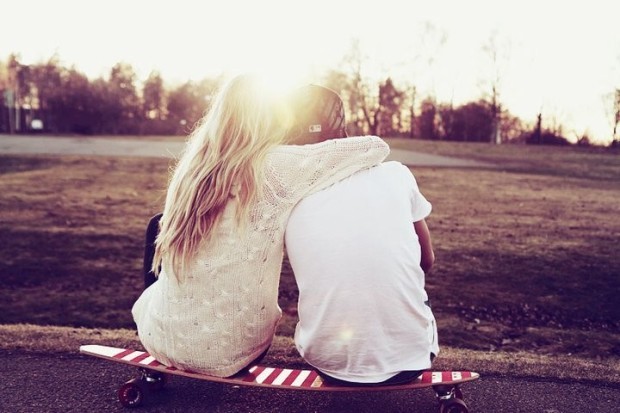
(356, 259)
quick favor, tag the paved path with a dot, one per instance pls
(75, 383)
(16, 144)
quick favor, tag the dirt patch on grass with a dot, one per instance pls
(529, 250)
(72, 234)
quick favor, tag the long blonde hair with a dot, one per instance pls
(226, 150)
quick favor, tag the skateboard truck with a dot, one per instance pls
(153, 379)
(450, 399)
(132, 393)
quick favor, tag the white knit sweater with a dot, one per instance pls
(224, 313)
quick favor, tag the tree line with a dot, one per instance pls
(49, 97)
(58, 99)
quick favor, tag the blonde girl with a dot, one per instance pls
(214, 308)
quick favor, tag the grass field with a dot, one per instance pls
(526, 252)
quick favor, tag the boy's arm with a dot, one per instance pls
(426, 246)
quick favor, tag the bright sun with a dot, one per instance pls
(281, 62)
(279, 81)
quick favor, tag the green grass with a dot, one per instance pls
(526, 252)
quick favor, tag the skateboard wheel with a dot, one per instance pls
(131, 394)
(453, 406)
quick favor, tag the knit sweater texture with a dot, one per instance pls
(224, 312)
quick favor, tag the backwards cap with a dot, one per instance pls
(319, 112)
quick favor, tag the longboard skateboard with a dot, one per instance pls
(153, 377)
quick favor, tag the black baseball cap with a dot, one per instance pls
(318, 112)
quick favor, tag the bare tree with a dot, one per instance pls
(13, 96)
(391, 98)
(428, 120)
(611, 104)
(615, 107)
(359, 92)
(617, 115)
(537, 134)
(413, 90)
(153, 97)
(430, 42)
(616, 110)
(4, 97)
(549, 128)
(554, 119)
(497, 50)
(362, 102)
(48, 77)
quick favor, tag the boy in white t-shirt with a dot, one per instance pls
(359, 250)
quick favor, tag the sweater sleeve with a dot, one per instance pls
(295, 171)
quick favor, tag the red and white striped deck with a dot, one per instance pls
(270, 376)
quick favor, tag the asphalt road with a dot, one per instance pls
(59, 145)
(43, 383)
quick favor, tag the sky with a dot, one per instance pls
(558, 57)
